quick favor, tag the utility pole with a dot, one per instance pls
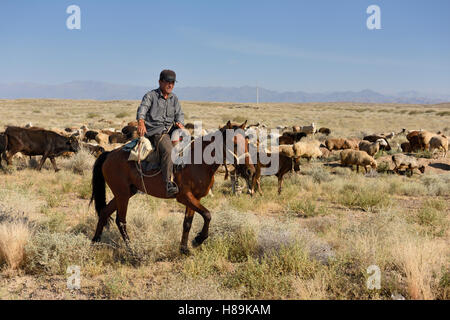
(257, 94)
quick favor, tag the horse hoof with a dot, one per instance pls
(95, 240)
(185, 251)
(197, 241)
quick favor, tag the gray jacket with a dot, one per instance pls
(159, 113)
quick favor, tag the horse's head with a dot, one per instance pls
(236, 144)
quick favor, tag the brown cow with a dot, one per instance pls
(285, 165)
(38, 142)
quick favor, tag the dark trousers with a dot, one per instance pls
(164, 147)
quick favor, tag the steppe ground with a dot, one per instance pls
(315, 241)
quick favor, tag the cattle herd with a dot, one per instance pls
(299, 142)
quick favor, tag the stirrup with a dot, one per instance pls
(171, 188)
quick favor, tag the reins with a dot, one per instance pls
(141, 171)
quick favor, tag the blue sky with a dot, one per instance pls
(313, 46)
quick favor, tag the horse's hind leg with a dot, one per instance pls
(103, 219)
(122, 206)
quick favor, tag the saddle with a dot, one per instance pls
(142, 150)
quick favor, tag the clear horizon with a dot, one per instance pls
(314, 47)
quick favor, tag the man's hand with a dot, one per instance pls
(179, 125)
(141, 127)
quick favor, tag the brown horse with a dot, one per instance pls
(194, 182)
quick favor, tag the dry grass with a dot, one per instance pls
(314, 241)
(13, 238)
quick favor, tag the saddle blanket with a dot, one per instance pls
(147, 155)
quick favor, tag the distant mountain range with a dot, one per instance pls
(107, 91)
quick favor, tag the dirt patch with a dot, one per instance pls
(439, 165)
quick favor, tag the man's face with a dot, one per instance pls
(166, 87)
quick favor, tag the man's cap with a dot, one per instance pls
(168, 76)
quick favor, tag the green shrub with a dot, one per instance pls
(305, 208)
(122, 115)
(383, 167)
(366, 198)
(51, 253)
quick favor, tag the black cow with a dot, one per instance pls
(3, 145)
(38, 142)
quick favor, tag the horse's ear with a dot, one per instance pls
(229, 124)
(244, 124)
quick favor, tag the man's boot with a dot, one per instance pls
(171, 189)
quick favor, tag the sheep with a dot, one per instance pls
(284, 149)
(425, 137)
(335, 144)
(325, 131)
(371, 147)
(352, 143)
(325, 152)
(102, 139)
(410, 163)
(438, 142)
(412, 133)
(94, 149)
(303, 149)
(118, 138)
(414, 142)
(358, 158)
(309, 129)
(90, 135)
(306, 129)
(406, 147)
(307, 149)
(375, 137)
(112, 146)
(109, 131)
(291, 137)
(59, 131)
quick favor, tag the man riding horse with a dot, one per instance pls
(158, 114)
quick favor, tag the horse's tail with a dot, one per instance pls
(98, 184)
